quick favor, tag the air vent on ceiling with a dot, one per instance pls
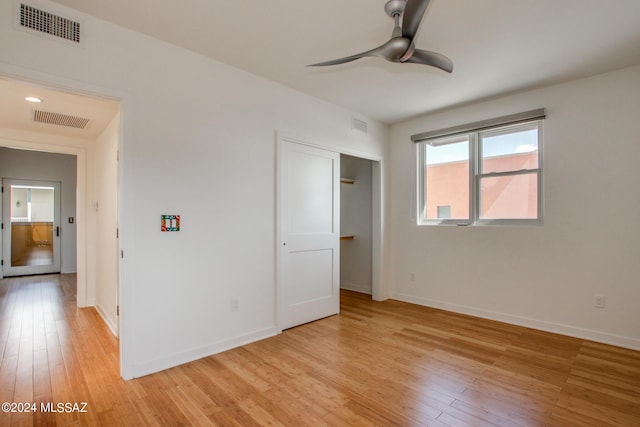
(59, 119)
(48, 23)
(358, 125)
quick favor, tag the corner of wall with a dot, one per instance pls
(111, 323)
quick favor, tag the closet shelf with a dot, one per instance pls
(347, 181)
(347, 236)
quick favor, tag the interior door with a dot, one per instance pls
(31, 227)
(309, 233)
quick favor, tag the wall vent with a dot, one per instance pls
(358, 125)
(48, 23)
(59, 119)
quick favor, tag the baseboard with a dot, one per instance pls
(170, 361)
(87, 303)
(113, 326)
(558, 328)
(355, 288)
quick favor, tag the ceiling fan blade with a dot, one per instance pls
(337, 61)
(373, 52)
(413, 13)
(432, 59)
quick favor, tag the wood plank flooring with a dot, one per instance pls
(377, 363)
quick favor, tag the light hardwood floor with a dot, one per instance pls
(388, 363)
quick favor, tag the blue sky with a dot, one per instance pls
(499, 145)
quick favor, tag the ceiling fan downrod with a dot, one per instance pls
(395, 8)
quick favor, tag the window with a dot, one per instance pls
(480, 177)
(447, 178)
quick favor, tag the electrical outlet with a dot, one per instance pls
(234, 304)
(412, 277)
(599, 301)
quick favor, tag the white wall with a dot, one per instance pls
(356, 218)
(21, 164)
(42, 205)
(19, 195)
(196, 135)
(104, 207)
(544, 277)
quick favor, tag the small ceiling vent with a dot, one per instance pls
(59, 119)
(48, 23)
(358, 125)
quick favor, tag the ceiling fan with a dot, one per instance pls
(400, 48)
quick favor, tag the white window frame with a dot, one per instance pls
(476, 175)
(422, 157)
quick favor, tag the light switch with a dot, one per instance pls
(170, 223)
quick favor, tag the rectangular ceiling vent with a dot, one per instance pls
(59, 119)
(48, 23)
(358, 125)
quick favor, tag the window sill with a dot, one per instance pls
(485, 223)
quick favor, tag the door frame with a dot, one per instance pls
(7, 232)
(377, 267)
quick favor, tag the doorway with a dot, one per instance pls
(308, 204)
(39, 189)
(31, 211)
(93, 143)
(356, 224)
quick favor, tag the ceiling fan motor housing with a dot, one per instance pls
(395, 7)
(398, 49)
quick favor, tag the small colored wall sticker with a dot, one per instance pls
(170, 222)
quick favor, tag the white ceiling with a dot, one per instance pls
(497, 46)
(17, 113)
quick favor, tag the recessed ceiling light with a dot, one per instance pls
(33, 99)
